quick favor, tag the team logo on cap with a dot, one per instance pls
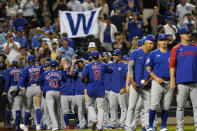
(119, 68)
(148, 60)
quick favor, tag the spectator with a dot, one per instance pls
(44, 12)
(70, 41)
(11, 48)
(170, 28)
(75, 5)
(188, 18)
(104, 7)
(43, 52)
(48, 26)
(19, 21)
(121, 43)
(154, 20)
(53, 50)
(117, 19)
(135, 27)
(107, 32)
(136, 43)
(60, 5)
(65, 51)
(171, 12)
(51, 37)
(12, 7)
(35, 43)
(22, 57)
(184, 8)
(29, 7)
(32, 32)
(87, 55)
(171, 42)
(21, 39)
(192, 27)
(2, 9)
(4, 63)
(3, 36)
(88, 5)
(9, 23)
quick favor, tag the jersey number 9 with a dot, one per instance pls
(97, 74)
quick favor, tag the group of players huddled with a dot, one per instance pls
(91, 92)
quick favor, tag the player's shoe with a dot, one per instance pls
(8, 126)
(94, 126)
(150, 129)
(67, 128)
(164, 129)
(180, 129)
(108, 127)
(43, 127)
(23, 127)
(38, 127)
(143, 129)
(54, 129)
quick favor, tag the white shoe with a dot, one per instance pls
(150, 129)
(23, 127)
(49, 128)
(38, 127)
(164, 129)
(180, 129)
(54, 129)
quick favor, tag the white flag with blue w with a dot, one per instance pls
(79, 24)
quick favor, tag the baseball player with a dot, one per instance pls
(183, 71)
(15, 100)
(68, 98)
(94, 73)
(117, 95)
(157, 65)
(79, 88)
(51, 81)
(136, 72)
(33, 91)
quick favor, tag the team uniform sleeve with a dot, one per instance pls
(22, 78)
(150, 60)
(173, 58)
(133, 55)
(85, 71)
(108, 69)
(7, 80)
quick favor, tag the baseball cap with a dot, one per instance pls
(117, 52)
(169, 18)
(184, 30)
(53, 63)
(105, 53)
(162, 36)
(170, 4)
(14, 62)
(125, 57)
(20, 29)
(79, 60)
(31, 58)
(20, 11)
(116, 7)
(48, 58)
(149, 38)
(140, 42)
(190, 24)
(64, 39)
(91, 45)
(95, 54)
(7, 17)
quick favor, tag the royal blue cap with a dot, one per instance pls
(21, 29)
(48, 58)
(150, 37)
(7, 17)
(105, 53)
(162, 36)
(64, 39)
(170, 4)
(184, 30)
(37, 63)
(79, 60)
(117, 52)
(169, 18)
(123, 4)
(95, 54)
(31, 58)
(140, 42)
(14, 62)
(116, 7)
(53, 63)
(125, 57)
(190, 24)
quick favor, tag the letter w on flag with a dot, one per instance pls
(79, 24)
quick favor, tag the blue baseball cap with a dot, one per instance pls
(105, 53)
(31, 58)
(170, 4)
(8, 17)
(169, 18)
(95, 54)
(48, 58)
(150, 38)
(20, 29)
(162, 36)
(64, 39)
(116, 7)
(123, 4)
(140, 42)
(53, 63)
(79, 60)
(117, 52)
(125, 57)
(14, 62)
(184, 30)
(190, 24)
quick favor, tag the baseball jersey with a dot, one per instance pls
(31, 75)
(159, 63)
(51, 80)
(139, 57)
(95, 72)
(118, 76)
(11, 77)
(67, 87)
(79, 86)
(184, 60)
(107, 80)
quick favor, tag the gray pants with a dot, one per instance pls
(115, 99)
(53, 103)
(94, 117)
(183, 91)
(45, 113)
(68, 101)
(106, 121)
(80, 102)
(31, 92)
(133, 99)
(161, 93)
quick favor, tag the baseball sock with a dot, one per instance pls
(164, 117)
(76, 119)
(8, 116)
(38, 116)
(66, 119)
(18, 117)
(151, 118)
(27, 115)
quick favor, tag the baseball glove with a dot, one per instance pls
(15, 92)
